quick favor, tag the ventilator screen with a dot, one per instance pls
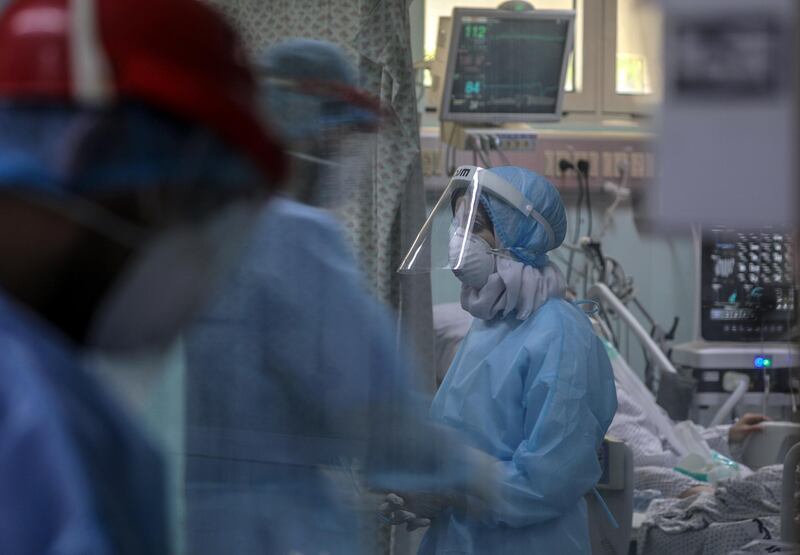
(748, 290)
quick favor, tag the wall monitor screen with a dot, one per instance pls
(506, 66)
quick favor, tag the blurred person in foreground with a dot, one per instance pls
(294, 369)
(132, 160)
(328, 124)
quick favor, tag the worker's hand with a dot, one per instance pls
(428, 505)
(393, 511)
(745, 426)
(695, 490)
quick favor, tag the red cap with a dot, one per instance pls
(176, 55)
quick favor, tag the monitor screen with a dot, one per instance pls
(747, 284)
(506, 66)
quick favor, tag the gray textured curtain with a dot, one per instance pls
(387, 209)
(385, 213)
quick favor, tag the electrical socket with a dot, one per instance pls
(431, 162)
(549, 163)
(621, 160)
(582, 155)
(594, 161)
(608, 165)
(563, 155)
(638, 165)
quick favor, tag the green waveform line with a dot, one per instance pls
(533, 84)
(543, 90)
(543, 38)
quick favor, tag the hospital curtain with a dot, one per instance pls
(385, 213)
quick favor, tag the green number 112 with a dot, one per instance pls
(475, 31)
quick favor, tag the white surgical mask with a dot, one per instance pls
(168, 280)
(478, 262)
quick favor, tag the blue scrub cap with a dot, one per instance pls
(299, 113)
(525, 237)
(61, 149)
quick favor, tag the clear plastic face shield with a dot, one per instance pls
(176, 257)
(337, 168)
(170, 275)
(330, 130)
(470, 228)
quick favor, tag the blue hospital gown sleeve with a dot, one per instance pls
(568, 402)
(45, 505)
(325, 358)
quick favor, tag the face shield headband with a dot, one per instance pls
(474, 181)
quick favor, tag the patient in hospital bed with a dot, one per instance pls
(689, 516)
(649, 432)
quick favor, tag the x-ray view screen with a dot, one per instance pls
(504, 66)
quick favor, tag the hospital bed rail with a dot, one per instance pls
(600, 292)
(790, 529)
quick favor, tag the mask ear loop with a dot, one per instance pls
(502, 253)
(93, 216)
(313, 159)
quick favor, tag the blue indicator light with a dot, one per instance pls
(762, 362)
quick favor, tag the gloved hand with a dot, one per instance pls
(392, 511)
(428, 505)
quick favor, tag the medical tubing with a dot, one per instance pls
(644, 312)
(602, 503)
(583, 171)
(586, 265)
(564, 166)
(610, 330)
(588, 204)
(452, 151)
(447, 161)
(563, 259)
(503, 157)
(486, 163)
(730, 403)
(491, 160)
(581, 302)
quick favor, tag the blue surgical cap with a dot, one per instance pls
(58, 149)
(524, 237)
(302, 115)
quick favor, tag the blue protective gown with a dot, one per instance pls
(295, 366)
(76, 477)
(539, 396)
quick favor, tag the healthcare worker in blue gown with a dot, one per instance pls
(294, 372)
(531, 384)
